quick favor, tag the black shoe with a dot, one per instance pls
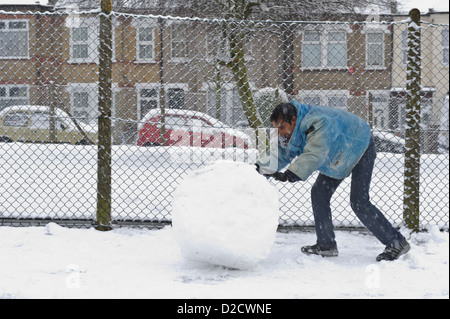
(318, 250)
(394, 250)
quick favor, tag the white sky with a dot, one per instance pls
(423, 6)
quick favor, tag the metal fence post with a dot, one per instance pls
(104, 120)
(412, 130)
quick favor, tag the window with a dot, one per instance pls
(338, 102)
(81, 105)
(84, 41)
(148, 99)
(80, 43)
(175, 98)
(375, 49)
(146, 43)
(13, 95)
(312, 49)
(337, 49)
(224, 104)
(84, 101)
(397, 110)
(324, 49)
(380, 108)
(13, 39)
(311, 100)
(16, 119)
(179, 42)
(331, 98)
(444, 42)
(40, 120)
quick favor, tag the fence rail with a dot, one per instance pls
(161, 96)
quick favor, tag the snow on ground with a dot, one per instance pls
(58, 262)
(59, 182)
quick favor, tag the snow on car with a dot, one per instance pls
(188, 128)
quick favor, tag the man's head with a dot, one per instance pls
(284, 118)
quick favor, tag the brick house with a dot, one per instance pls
(53, 58)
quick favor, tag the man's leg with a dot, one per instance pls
(369, 215)
(321, 193)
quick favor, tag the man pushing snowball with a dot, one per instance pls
(336, 143)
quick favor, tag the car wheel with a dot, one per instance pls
(82, 142)
(4, 139)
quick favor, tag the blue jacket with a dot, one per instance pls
(335, 142)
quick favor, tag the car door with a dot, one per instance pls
(39, 129)
(210, 138)
(65, 133)
(177, 133)
(15, 126)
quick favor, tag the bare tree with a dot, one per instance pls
(244, 9)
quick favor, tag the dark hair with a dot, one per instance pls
(284, 112)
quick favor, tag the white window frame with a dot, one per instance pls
(92, 92)
(146, 86)
(380, 112)
(157, 98)
(324, 97)
(7, 95)
(183, 41)
(381, 46)
(324, 42)
(426, 116)
(376, 28)
(92, 42)
(7, 29)
(138, 26)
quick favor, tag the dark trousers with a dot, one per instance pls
(324, 188)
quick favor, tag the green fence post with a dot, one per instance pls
(103, 221)
(412, 130)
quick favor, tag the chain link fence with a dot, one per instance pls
(185, 92)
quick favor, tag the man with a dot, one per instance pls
(336, 143)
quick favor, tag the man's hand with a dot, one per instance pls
(287, 176)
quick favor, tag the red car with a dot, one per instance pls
(189, 128)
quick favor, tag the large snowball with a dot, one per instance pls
(225, 214)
